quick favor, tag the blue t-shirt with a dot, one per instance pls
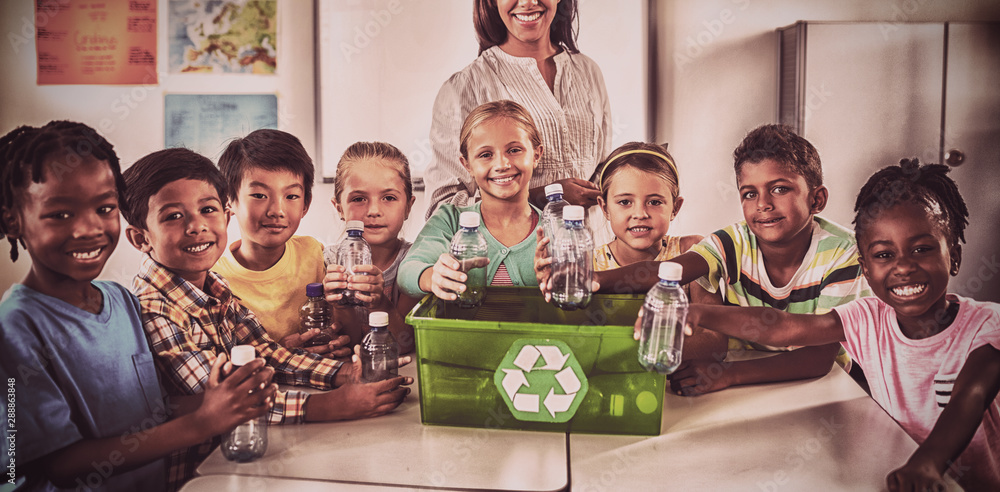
(79, 375)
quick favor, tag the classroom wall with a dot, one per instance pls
(718, 78)
(725, 87)
(135, 113)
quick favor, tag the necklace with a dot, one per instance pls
(617, 253)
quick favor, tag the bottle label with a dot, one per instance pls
(541, 381)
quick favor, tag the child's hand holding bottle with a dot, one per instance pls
(368, 283)
(543, 263)
(447, 278)
(369, 286)
(337, 348)
(234, 396)
(543, 267)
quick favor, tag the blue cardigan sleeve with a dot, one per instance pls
(434, 239)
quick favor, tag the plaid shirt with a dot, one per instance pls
(187, 328)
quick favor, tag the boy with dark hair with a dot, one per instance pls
(90, 412)
(780, 143)
(781, 255)
(173, 203)
(269, 178)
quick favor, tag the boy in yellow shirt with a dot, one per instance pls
(269, 178)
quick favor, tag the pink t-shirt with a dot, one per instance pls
(912, 379)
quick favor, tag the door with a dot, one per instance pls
(972, 126)
(870, 96)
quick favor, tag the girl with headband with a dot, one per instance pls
(640, 196)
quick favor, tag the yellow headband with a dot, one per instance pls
(669, 161)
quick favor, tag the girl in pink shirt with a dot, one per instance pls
(932, 358)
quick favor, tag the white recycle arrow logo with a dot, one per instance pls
(525, 362)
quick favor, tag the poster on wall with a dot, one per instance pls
(229, 36)
(88, 42)
(205, 123)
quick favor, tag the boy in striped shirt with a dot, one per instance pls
(781, 255)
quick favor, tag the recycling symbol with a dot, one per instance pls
(541, 381)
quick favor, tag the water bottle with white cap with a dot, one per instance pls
(552, 214)
(248, 441)
(379, 351)
(468, 246)
(352, 252)
(663, 315)
(572, 261)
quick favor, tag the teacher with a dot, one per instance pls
(527, 54)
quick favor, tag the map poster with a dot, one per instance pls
(223, 36)
(205, 123)
(96, 42)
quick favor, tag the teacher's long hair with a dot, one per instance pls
(491, 30)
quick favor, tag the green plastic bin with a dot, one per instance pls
(506, 364)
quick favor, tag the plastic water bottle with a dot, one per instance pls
(352, 252)
(468, 246)
(663, 317)
(316, 313)
(572, 261)
(552, 214)
(379, 351)
(248, 441)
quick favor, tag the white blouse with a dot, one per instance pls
(574, 119)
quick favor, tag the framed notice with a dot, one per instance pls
(205, 123)
(88, 42)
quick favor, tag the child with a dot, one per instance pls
(640, 196)
(74, 345)
(780, 255)
(932, 359)
(269, 179)
(176, 217)
(500, 147)
(373, 185)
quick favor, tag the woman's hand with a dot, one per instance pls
(543, 264)
(578, 191)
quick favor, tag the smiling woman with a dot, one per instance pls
(528, 54)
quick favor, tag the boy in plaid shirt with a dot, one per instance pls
(176, 216)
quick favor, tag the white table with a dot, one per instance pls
(823, 434)
(396, 449)
(240, 483)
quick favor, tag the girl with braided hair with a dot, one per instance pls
(932, 358)
(77, 343)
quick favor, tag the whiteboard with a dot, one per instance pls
(380, 64)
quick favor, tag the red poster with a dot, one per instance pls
(96, 41)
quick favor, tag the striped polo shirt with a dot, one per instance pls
(829, 275)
